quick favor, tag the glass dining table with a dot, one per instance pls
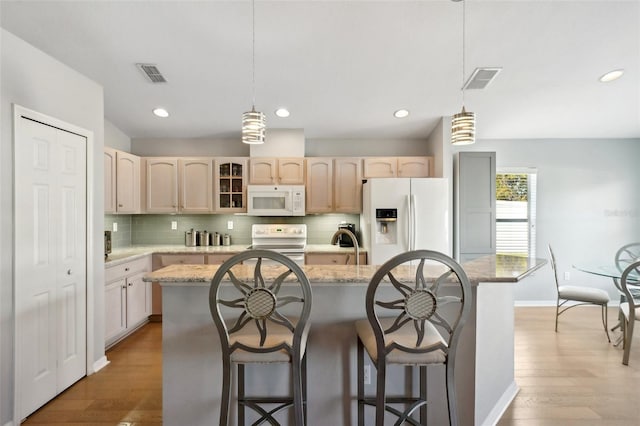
(611, 271)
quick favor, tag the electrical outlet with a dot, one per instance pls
(174, 225)
(229, 224)
(367, 374)
(567, 276)
(115, 226)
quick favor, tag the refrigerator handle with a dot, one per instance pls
(409, 224)
(414, 223)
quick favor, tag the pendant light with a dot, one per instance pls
(253, 122)
(463, 124)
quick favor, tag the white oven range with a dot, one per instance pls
(288, 239)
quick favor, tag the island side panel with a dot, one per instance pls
(495, 385)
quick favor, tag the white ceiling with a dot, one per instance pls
(343, 67)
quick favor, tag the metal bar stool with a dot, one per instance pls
(253, 328)
(419, 326)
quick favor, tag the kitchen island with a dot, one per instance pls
(485, 363)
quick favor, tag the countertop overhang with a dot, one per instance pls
(492, 268)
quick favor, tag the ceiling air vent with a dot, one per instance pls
(152, 73)
(481, 78)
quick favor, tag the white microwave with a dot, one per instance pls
(275, 200)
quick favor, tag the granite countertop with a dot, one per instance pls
(126, 254)
(493, 268)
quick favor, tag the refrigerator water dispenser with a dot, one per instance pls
(386, 228)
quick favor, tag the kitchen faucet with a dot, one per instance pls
(334, 240)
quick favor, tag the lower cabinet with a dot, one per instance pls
(127, 299)
(334, 259)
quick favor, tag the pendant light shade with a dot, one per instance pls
(463, 124)
(463, 128)
(253, 127)
(253, 122)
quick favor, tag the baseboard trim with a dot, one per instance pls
(501, 406)
(155, 318)
(100, 364)
(552, 303)
(9, 423)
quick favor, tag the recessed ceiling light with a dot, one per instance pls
(401, 113)
(611, 75)
(282, 112)
(161, 112)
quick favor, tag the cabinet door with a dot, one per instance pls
(127, 182)
(196, 180)
(137, 300)
(109, 180)
(319, 185)
(162, 185)
(380, 167)
(347, 185)
(475, 186)
(114, 309)
(291, 171)
(263, 171)
(409, 167)
(230, 194)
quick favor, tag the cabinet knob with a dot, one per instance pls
(69, 272)
(126, 269)
(130, 284)
(119, 205)
(124, 286)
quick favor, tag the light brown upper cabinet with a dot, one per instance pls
(161, 185)
(276, 171)
(415, 166)
(109, 180)
(347, 185)
(333, 185)
(195, 181)
(319, 185)
(127, 182)
(230, 185)
(381, 167)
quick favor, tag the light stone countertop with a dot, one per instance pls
(126, 254)
(493, 268)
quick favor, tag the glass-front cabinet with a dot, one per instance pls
(230, 195)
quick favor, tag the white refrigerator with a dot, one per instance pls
(403, 214)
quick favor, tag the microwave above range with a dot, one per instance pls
(275, 200)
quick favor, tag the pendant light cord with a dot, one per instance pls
(253, 52)
(464, 3)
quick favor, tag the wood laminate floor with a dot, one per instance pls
(573, 377)
(127, 392)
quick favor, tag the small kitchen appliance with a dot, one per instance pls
(343, 239)
(107, 243)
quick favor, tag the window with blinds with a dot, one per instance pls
(515, 212)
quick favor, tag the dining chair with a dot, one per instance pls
(568, 295)
(625, 255)
(416, 304)
(246, 303)
(630, 309)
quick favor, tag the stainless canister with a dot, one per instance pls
(216, 239)
(190, 238)
(203, 238)
(227, 240)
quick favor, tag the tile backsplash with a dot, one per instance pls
(156, 229)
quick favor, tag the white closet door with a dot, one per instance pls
(50, 262)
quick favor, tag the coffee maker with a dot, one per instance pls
(345, 240)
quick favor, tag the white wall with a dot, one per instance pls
(189, 147)
(36, 81)
(588, 203)
(115, 138)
